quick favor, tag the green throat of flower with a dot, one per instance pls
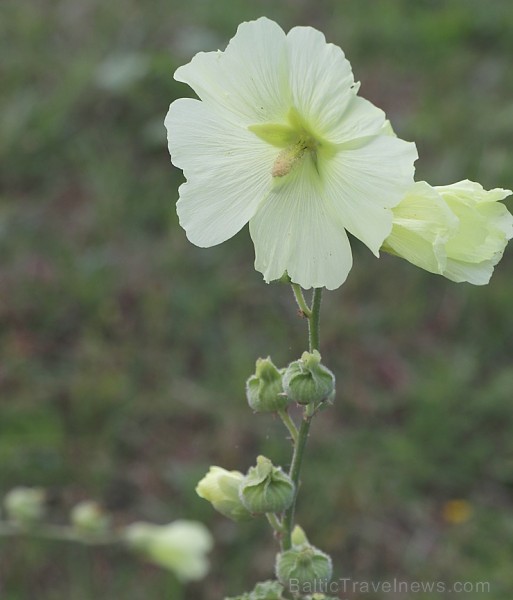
(296, 140)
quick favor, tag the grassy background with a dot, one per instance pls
(124, 349)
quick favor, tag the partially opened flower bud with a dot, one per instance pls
(266, 488)
(89, 518)
(264, 389)
(459, 231)
(221, 488)
(307, 381)
(25, 505)
(298, 536)
(180, 547)
(305, 567)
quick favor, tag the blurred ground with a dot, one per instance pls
(124, 349)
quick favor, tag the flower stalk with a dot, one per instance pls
(304, 429)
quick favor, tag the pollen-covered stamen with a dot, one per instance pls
(290, 156)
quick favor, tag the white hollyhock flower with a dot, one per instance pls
(458, 230)
(280, 139)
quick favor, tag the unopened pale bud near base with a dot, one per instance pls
(180, 547)
(25, 505)
(264, 389)
(89, 518)
(304, 567)
(266, 488)
(221, 488)
(307, 381)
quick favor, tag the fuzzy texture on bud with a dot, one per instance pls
(264, 389)
(307, 381)
(89, 518)
(180, 547)
(305, 567)
(221, 488)
(266, 488)
(25, 505)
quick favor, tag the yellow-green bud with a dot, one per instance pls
(88, 517)
(221, 488)
(298, 536)
(304, 568)
(266, 488)
(264, 389)
(307, 381)
(25, 506)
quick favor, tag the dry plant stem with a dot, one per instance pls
(304, 429)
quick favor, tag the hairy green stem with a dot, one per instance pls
(275, 523)
(295, 472)
(304, 429)
(300, 299)
(314, 320)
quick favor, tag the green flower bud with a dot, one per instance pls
(304, 568)
(298, 536)
(221, 488)
(25, 506)
(307, 381)
(266, 488)
(88, 517)
(180, 547)
(264, 389)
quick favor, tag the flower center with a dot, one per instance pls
(290, 156)
(295, 139)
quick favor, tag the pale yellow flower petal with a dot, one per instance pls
(321, 79)
(295, 231)
(228, 171)
(248, 82)
(423, 223)
(365, 181)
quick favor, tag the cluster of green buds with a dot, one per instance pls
(264, 489)
(302, 569)
(305, 381)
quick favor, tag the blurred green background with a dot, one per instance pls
(124, 349)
